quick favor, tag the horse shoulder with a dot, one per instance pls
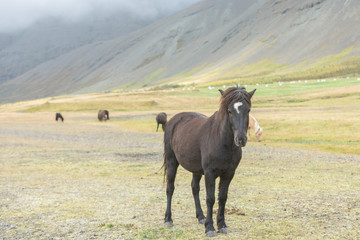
(218, 155)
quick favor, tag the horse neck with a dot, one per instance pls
(223, 128)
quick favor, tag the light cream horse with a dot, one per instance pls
(255, 125)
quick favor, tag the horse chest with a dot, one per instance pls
(222, 161)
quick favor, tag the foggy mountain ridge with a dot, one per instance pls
(51, 37)
(204, 37)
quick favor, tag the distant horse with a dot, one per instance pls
(107, 114)
(207, 146)
(59, 116)
(161, 118)
(102, 115)
(253, 124)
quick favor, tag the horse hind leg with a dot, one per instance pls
(171, 169)
(195, 190)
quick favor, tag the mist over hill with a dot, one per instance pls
(210, 41)
(49, 38)
(33, 32)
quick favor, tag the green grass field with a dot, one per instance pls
(317, 114)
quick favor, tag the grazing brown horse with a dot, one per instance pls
(102, 115)
(209, 146)
(59, 116)
(161, 118)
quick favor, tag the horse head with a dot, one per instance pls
(235, 105)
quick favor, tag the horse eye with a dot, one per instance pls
(229, 111)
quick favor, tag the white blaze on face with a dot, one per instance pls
(237, 105)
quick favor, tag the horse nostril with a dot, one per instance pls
(243, 141)
(240, 141)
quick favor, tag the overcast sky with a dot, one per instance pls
(18, 14)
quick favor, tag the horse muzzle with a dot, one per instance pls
(240, 141)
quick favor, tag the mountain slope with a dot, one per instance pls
(213, 40)
(51, 37)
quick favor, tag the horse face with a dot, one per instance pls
(239, 120)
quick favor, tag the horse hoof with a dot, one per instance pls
(169, 224)
(202, 221)
(223, 230)
(211, 234)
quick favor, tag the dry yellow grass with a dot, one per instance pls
(85, 179)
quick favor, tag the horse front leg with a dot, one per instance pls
(210, 200)
(223, 192)
(195, 190)
(170, 174)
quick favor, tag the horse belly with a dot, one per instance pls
(187, 152)
(189, 161)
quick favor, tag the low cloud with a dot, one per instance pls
(18, 14)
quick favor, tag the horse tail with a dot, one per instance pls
(165, 168)
(169, 154)
(167, 146)
(164, 121)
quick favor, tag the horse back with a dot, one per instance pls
(182, 122)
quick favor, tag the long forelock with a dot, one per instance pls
(231, 96)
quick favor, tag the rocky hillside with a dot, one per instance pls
(211, 41)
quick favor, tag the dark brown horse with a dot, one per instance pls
(208, 146)
(59, 116)
(102, 116)
(107, 114)
(161, 118)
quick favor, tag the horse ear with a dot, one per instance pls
(221, 91)
(252, 93)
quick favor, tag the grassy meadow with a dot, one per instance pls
(85, 179)
(318, 114)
